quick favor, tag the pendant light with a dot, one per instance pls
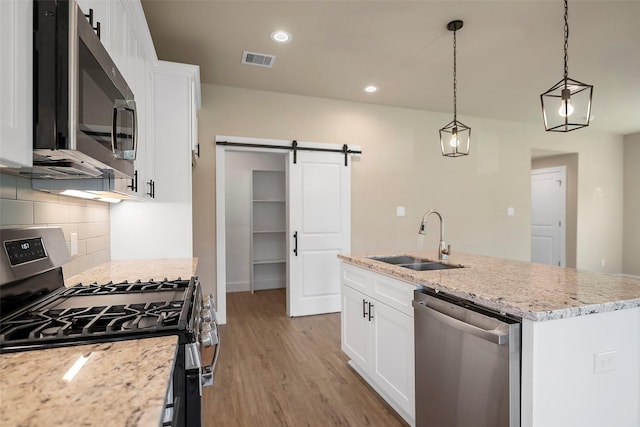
(455, 136)
(567, 105)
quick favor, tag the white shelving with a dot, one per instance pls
(268, 230)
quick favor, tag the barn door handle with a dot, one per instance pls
(295, 248)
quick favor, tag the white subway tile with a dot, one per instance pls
(8, 186)
(96, 244)
(67, 229)
(82, 247)
(88, 214)
(87, 230)
(75, 201)
(16, 212)
(47, 213)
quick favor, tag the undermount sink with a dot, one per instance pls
(423, 266)
(399, 259)
(414, 263)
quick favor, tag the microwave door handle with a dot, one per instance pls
(114, 129)
(134, 136)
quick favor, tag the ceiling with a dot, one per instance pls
(508, 52)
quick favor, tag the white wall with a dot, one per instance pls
(559, 385)
(632, 204)
(146, 230)
(238, 167)
(401, 165)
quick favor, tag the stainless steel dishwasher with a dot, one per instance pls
(467, 363)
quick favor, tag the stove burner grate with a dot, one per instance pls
(125, 287)
(46, 323)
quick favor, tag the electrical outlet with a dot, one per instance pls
(74, 244)
(604, 362)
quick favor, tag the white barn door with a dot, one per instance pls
(319, 187)
(548, 207)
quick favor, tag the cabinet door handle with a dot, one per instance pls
(370, 312)
(134, 182)
(97, 27)
(364, 308)
(295, 239)
(152, 189)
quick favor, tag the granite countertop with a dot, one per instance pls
(122, 383)
(531, 291)
(143, 269)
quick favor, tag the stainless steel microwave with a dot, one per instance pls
(84, 111)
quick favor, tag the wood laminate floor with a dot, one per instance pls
(279, 371)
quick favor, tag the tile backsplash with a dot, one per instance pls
(20, 206)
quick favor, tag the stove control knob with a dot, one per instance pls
(206, 339)
(209, 339)
(206, 316)
(208, 302)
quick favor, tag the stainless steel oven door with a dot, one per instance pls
(203, 354)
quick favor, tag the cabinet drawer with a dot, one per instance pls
(356, 278)
(395, 293)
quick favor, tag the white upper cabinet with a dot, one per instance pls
(174, 113)
(125, 35)
(16, 40)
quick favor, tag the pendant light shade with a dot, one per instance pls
(567, 105)
(455, 137)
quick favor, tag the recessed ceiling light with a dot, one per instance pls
(370, 89)
(281, 36)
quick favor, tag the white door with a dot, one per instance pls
(319, 229)
(548, 206)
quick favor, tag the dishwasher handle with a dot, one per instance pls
(491, 336)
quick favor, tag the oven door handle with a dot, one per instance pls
(208, 371)
(175, 409)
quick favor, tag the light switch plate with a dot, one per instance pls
(511, 211)
(400, 211)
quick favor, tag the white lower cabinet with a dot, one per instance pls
(378, 337)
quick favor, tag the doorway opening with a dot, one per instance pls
(316, 227)
(256, 222)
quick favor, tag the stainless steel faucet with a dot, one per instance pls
(443, 249)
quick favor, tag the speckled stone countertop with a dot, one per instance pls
(530, 291)
(122, 383)
(143, 269)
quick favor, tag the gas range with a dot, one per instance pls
(38, 312)
(91, 313)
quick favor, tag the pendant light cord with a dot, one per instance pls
(455, 89)
(566, 41)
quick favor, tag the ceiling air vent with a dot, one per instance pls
(259, 59)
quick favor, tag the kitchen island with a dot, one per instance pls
(569, 319)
